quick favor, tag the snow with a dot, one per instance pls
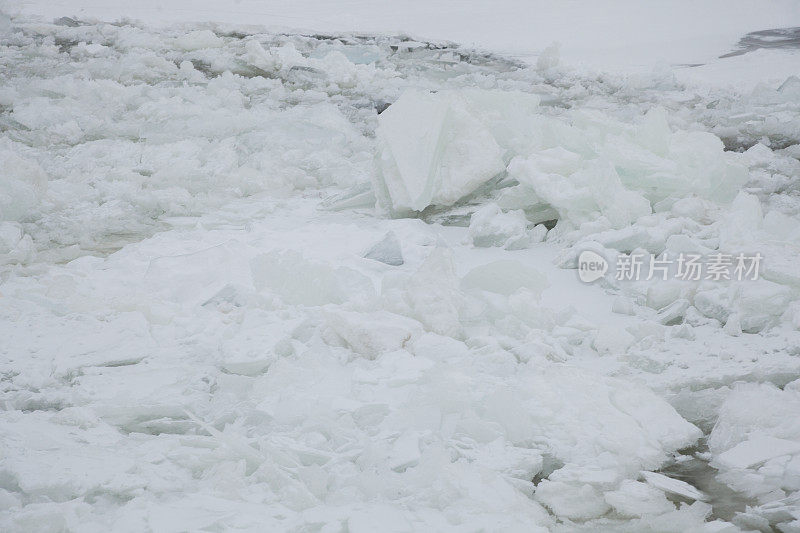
(620, 35)
(326, 280)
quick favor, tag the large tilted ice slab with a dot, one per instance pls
(435, 148)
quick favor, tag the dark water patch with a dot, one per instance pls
(65, 45)
(69, 22)
(743, 143)
(693, 468)
(460, 213)
(778, 38)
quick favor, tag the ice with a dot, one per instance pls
(756, 411)
(755, 305)
(387, 250)
(756, 450)
(538, 233)
(303, 281)
(634, 498)
(374, 333)
(574, 503)
(15, 246)
(23, 185)
(430, 295)
(197, 276)
(258, 57)
(672, 485)
(436, 148)
(207, 324)
(405, 452)
(759, 304)
(198, 39)
(579, 194)
(505, 277)
(662, 163)
(756, 446)
(549, 57)
(489, 226)
(611, 340)
(433, 151)
(742, 222)
(697, 209)
(358, 196)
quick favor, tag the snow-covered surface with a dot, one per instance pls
(615, 34)
(293, 281)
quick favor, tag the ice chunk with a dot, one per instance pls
(199, 39)
(713, 302)
(359, 195)
(22, 185)
(654, 131)
(303, 281)
(431, 295)
(782, 227)
(387, 250)
(742, 222)
(661, 163)
(611, 340)
(756, 304)
(258, 57)
(579, 194)
(549, 57)
(510, 116)
(538, 233)
(782, 514)
(695, 208)
(756, 450)
(790, 88)
(754, 409)
(339, 69)
(505, 277)
(623, 306)
(489, 226)
(405, 451)
(195, 277)
(634, 498)
(662, 294)
(15, 246)
(371, 334)
(576, 502)
(756, 444)
(432, 151)
(675, 486)
(759, 303)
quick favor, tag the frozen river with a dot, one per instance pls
(323, 277)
